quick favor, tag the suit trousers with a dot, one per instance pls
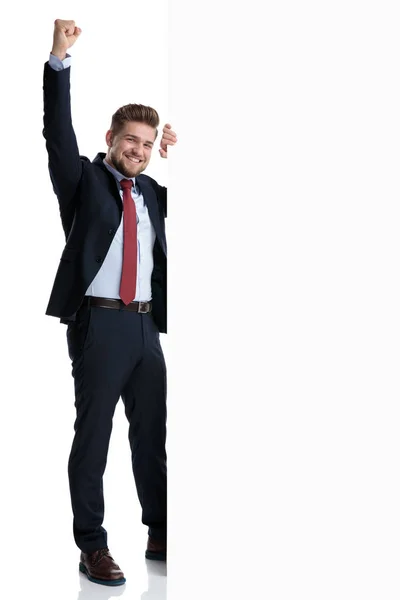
(116, 354)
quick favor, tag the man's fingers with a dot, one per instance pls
(68, 27)
(64, 24)
(169, 135)
(169, 132)
(169, 139)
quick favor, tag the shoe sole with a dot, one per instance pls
(84, 570)
(151, 555)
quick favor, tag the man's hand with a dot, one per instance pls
(65, 36)
(168, 139)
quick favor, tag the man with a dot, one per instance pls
(110, 289)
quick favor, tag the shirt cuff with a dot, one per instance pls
(57, 64)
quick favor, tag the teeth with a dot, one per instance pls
(135, 160)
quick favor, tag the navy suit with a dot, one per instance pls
(91, 208)
(114, 353)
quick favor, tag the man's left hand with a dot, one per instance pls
(168, 139)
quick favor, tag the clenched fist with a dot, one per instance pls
(65, 36)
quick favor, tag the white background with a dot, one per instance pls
(283, 298)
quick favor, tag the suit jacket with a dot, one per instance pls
(91, 208)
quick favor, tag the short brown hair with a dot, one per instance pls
(134, 112)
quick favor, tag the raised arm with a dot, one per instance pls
(65, 165)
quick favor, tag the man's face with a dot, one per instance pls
(129, 150)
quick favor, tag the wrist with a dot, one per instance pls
(61, 54)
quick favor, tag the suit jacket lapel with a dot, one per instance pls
(112, 184)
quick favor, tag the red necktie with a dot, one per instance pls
(127, 289)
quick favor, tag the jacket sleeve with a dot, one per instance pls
(162, 194)
(65, 164)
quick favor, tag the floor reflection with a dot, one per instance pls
(157, 581)
(94, 591)
(156, 585)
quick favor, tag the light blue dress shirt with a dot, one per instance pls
(106, 284)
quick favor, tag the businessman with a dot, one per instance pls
(110, 290)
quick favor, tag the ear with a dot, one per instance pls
(109, 138)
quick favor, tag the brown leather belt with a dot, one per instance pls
(140, 307)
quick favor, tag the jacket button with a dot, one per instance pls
(98, 259)
(111, 231)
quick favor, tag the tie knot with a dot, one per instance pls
(126, 184)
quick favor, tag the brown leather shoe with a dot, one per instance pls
(100, 567)
(156, 549)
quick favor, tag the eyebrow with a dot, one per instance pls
(135, 137)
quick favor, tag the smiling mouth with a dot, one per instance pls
(133, 159)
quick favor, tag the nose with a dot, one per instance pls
(138, 150)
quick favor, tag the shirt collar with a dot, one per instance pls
(118, 176)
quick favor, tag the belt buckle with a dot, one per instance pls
(140, 304)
